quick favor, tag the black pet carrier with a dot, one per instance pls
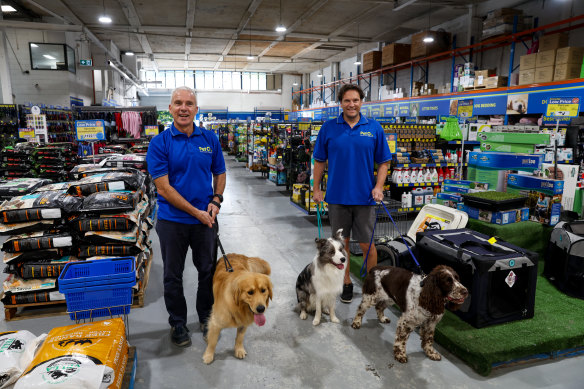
(564, 261)
(499, 276)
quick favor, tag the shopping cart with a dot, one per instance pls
(385, 230)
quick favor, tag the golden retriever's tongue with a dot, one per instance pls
(340, 266)
(259, 319)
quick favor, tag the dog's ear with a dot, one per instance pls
(236, 291)
(319, 243)
(339, 234)
(270, 291)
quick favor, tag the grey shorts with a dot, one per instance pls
(356, 218)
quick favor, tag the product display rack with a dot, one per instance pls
(60, 122)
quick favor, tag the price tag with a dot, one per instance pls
(562, 107)
(90, 130)
(27, 133)
(151, 130)
(465, 108)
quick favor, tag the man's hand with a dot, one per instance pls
(204, 218)
(213, 210)
(377, 194)
(317, 196)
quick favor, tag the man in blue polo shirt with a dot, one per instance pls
(352, 145)
(188, 169)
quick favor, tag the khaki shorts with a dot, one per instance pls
(356, 218)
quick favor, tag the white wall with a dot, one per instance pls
(234, 101)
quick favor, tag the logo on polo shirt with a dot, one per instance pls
(207, 149)
(367, 134)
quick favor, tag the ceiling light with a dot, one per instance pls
(129, 53)
(8, 8)
(280, 28)
(319, 75)
(250, 57)
(34, 45)
(428, 39)
(105, 19)
(357, 62)
(294, 83)
(48, 56)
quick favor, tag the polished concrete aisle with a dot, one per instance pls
(257, 219)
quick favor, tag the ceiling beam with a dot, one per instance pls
(315, 6)
(132, 16)
(245, 19)
(190, 22)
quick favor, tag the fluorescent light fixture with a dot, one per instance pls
(357, 62)
(34, 45)
(250, 57)
(428, 39)
(129, 53)
(105, 19)
(8, 8)
(48, 56)
(295, 84)
(280, 28)
(319, 75)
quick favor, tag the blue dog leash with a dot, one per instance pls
(319, 218)
(364, 266)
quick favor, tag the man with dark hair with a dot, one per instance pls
(188, 169)
(352, 144)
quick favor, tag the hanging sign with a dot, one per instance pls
(464, 108)
(85, 62)
(553, 121)
(90, 130)
(151, 130)
(562, 107)
(26, 133)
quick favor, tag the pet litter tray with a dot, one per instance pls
(436, 216)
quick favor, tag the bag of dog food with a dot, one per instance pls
(112, 237)
(47, 254)
(17, 350)
(128, 160)
(21, 228)
(89, 356)
(109, 250)
(33, 297)
(111, 201)
(77, 171)
(21, 186)
(40, 269)
(110, 222)
(38, 206)
(60, 187)
(14, 284)
(37, 240)
(103, 182)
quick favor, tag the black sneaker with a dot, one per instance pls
(347, 295)
(180, 337)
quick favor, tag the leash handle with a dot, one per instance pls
(403, 239)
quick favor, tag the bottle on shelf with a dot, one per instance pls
(440, 175)
(434, 175)
(404, 200)
(414, 176)
(427, 175)
(406, 176)
(399, 177)
(420, 178)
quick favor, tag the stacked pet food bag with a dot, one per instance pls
(90, 356)
(54, 160)
(17, 161)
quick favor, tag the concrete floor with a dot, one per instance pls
(258, 220)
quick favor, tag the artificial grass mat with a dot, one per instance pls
(558, 324)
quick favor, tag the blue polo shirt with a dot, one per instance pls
(351, 154)
(190, 163)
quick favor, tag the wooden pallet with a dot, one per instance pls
(58, 308)
(131, 367)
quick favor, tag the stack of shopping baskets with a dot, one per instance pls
(98, 288)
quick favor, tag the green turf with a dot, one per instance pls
(558, 324)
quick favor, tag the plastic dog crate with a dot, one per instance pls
(499, 276)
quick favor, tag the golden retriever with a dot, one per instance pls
(241, 297)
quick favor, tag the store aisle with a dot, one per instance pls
(258, 220)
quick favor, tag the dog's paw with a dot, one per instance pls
(433, 355)
(316, 322)
(208, 358)
(303, 315)
(356, 324)
(384, 319)
(335, 319)
(401, 358)
(240, 353)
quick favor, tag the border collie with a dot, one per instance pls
(321, 281)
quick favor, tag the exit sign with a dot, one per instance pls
(85, 62)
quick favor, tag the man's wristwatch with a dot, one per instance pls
(219, 196)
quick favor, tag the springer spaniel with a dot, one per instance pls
(421, 300)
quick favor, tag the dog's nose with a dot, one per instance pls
(260, 308)
(343, 260)
(464, 292)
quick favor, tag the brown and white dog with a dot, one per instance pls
(421, 300)
(241, 298)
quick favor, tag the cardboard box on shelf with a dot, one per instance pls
(567, 71)
(572, 55)
(503, 19)
(545, 58)
(501, 217)
(371, 60)
(395, 53)
(527, 76)
(527, 62)
(503, 12)
(421, 49)
(553, 41)
(486, 73)
(500, 30)
(545, 74)
(496, 82)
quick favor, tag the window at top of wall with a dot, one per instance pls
(51, 56)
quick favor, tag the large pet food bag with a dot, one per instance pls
(89, 356)
(16, 351)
